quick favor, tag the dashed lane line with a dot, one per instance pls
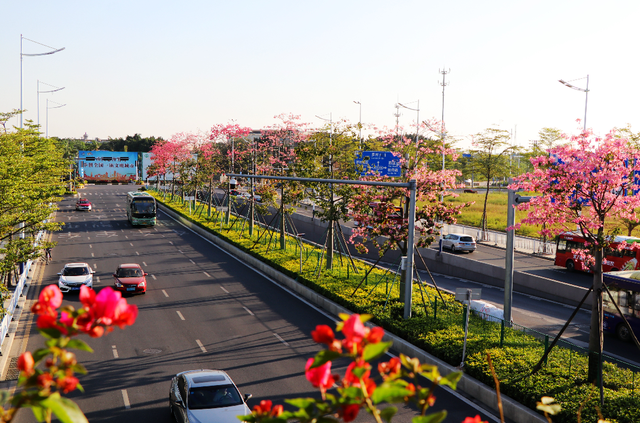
(204, 350)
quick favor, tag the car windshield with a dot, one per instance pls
(129, 273)
(75, 271)
(213, 397)
(466, 239)
(143, 206)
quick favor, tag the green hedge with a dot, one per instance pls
(438, 329)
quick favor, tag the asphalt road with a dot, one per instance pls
(203, 309)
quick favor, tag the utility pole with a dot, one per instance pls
(442, 131)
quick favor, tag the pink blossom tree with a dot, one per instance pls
(584, 183)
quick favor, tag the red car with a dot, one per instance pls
(130, 278)
(83, 204)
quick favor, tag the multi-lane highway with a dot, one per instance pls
(203, 309)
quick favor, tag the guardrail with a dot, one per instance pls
(8, 315)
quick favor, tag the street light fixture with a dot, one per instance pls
(43, 92)
(31, 55)
(584, 90)
(54, 107)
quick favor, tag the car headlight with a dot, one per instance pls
(118, 284)
(88, 280)
(61, 281)
(141, 285)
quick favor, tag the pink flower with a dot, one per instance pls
(475, 419)
(320, 377)
(352, 379)
(353, 329)
(323, 335)
(49, 300)
(375, 335)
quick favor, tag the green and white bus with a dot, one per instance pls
(141, 208)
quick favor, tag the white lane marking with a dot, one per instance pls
(126, 237)
(171, 242)
(222, 287)
(95, 266)
(92, 255)
(137, 253)
(192, 262)
(131, 243)
(144, 264)
(90, 246)
(204, 350)
(164, 292)
(125, 398)
(280, 339)
(180, 251)
(248, 311)
(180, 314)
(115, 351)
(154, 277)
(98, 279)
(88, 237)
(208, 275)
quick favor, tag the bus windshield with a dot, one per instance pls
(143, 206)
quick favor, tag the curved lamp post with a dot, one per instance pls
(54, 107)
(586, 95)
(54, 50)
(43, 92)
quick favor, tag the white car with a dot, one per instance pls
(459, 242)
(74, 275)
(206, 396)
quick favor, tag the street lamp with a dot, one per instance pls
(54, 107)
(47, 91)
(359, 123)
(586, 94)
(31, 55)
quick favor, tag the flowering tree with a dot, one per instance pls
(168, 156)
(41, 388)
(585, 183)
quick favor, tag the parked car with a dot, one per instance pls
(470, 191)
(206, 396)
(130, 278)
(459, 242)
(74, 275)
(83, 204)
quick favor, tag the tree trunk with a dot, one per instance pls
(595, 334)
(283, 243)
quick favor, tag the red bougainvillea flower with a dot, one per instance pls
(105, 309)
(320, 377)
(46, 321)
(67, 383)
(263, 407)
(353, 329)
(475, 419)
(350, 378)
(45, 380)
(49, 300)
(323, 335)
(375, 335)
(390, 368)
(25, 363)
(349, 412)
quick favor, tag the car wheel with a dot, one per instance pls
(571, 265)
(622, 332)
(453, 248)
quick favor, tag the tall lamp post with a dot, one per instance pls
(586, 95)
(330, 234)
(54, 50)
(54, 107)
(43, 92)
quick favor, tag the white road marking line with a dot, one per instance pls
(204, 350)
(90, 246)
(144, 264)
(208, 275)
(280, 339)
(92, 255)
(222, 287)
(193, 262)
(95, 266)
(154, 277)
(171, 242)
(126, 237)
(248, 311)
(88, 237)
(164, 292)
(180, 314)
(180, 251)
(125, 398)
(131, 243)
(98, 279)
(115, 351)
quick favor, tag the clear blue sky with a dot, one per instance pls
(162, 67)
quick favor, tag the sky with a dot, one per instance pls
(163, 67)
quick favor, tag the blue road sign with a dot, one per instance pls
(382, 163)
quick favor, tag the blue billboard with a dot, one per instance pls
(108, 166)
(379, 163)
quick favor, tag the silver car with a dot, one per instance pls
(198, 396)
(74, 275)
(459, 242)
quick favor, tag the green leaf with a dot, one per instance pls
(79, 344)
(4, 397)
(39, 412)
(373, 351)
(38, 355)
(431, 418)
(388, 413)
(389, 393)
(50, 333)
(430, 372)
(302, 403)
(324, 356)
(451, 379)
(65, 410)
